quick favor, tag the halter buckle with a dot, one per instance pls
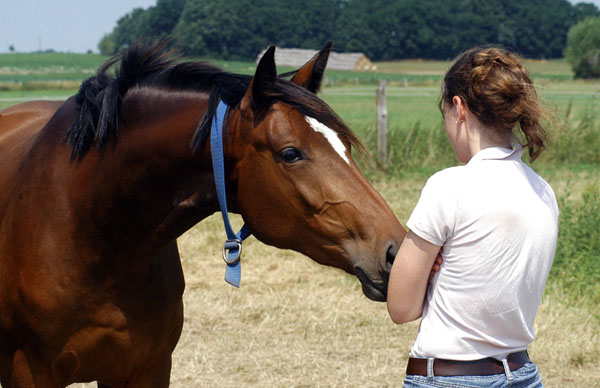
(232, 245)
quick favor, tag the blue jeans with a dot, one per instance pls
(525, 377)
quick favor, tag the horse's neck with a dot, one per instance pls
(151, 188)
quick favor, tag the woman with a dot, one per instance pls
(494, 222)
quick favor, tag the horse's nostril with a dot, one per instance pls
(390, 255)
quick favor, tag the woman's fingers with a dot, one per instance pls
(437, 264)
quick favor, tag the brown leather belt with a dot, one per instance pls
(485, 366)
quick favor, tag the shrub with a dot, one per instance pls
(583, 48)
(576, 266)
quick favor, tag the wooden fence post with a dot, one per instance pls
(382, 122)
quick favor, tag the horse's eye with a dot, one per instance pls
(290, 155)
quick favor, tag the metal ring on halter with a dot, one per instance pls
(229, 245)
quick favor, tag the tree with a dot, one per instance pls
(164, 17)
(381, 29)
(11, 48)
(209, 28)
(108, 44)
(583, 48)
(584, 10)
(156, 22)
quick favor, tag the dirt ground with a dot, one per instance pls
(294, 323)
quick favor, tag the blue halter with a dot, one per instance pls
(232, 251)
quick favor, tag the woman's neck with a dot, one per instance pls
(481, 137)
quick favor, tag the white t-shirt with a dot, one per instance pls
(497, 221)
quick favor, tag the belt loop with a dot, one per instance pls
(430, 374)
(507, 372)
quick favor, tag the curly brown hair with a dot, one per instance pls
(496, 88)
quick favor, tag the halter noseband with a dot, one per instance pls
(232, 251)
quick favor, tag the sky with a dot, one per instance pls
(67, 25)
(62, 25)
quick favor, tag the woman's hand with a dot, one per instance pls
(437, 264)
(416, 260)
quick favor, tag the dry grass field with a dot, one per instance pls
(294, 323)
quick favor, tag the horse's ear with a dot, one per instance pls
(265, 76)
(310, 75)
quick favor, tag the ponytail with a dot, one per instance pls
(498, 90)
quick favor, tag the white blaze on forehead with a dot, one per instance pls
(330, 135)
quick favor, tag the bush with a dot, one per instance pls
(575, 142)
(583, 48)
(575, 265)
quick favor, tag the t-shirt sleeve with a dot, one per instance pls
(434, 216)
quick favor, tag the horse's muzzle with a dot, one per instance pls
(377, 290)
(372, 290)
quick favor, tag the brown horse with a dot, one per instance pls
(94, 192)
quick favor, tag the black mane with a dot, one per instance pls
(99, 97)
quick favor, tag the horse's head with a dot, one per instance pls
(296, 183)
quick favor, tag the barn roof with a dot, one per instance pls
(338, 61)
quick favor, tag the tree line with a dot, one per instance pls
(381, 29)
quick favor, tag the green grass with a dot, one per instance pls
(406, 106)
(413, 114)
(8, 98)
(23, 68)
(576, 266)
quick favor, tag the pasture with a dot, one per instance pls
(297, 324)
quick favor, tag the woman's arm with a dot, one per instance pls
(410, 274)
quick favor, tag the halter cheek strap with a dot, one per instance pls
(232, 250)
